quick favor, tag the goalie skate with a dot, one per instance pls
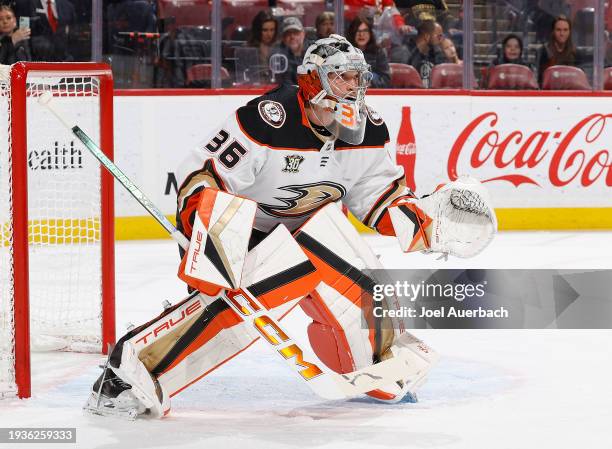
(111, 396)
(127, 391)
(420, 357)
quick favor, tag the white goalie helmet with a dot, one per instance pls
(333, 78)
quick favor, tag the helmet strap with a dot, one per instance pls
(319, 97)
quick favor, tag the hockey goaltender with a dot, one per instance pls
(259, 201)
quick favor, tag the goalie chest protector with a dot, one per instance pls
(282, 165)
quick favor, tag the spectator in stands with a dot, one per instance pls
(14, 42)
(325, 24)
(264, 31)
(372, 8)
(423, 10)
(50, 24)
(292, 47)
(560, 50)
(450, 52)
(423, 51)
(361, 36)
(511, 52)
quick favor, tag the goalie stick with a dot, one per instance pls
(324, 382)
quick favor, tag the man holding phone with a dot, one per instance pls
(50, 24)
(24, 23)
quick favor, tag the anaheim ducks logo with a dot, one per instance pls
(308, 198)
(375, 117)
(272, 112)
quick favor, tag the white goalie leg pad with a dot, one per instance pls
(189, 340)
(201, 333)
(337, 334)
(457, 219)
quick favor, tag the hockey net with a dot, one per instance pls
(56, 232)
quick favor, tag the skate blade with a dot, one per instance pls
(126, 414)
(411, 397)
(148, 398)
(150, 403)
(107, 407)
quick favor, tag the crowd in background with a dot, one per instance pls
(408, 43)
(41, 33)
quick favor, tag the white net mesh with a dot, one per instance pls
(63, 222)
(7, 371)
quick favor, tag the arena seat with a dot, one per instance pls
(563, 77)
(512, 76)
(447, 76)
(202, 73)
(305, 10)
(404, 76)
(193, 13)
(608, 78)
(237, 13)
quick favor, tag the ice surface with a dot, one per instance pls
(492, 389)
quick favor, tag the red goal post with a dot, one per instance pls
(85, 237)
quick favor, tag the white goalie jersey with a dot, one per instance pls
(268, 165)
(268, 152)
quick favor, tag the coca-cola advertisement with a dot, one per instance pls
(532, 151)
(405, 149)
(544, 152)
(567, 155)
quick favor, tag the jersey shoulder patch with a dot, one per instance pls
(374, 116)
(275, 120)
(272, 112)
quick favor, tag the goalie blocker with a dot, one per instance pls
(196, 336)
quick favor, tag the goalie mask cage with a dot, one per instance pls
(56, 217)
